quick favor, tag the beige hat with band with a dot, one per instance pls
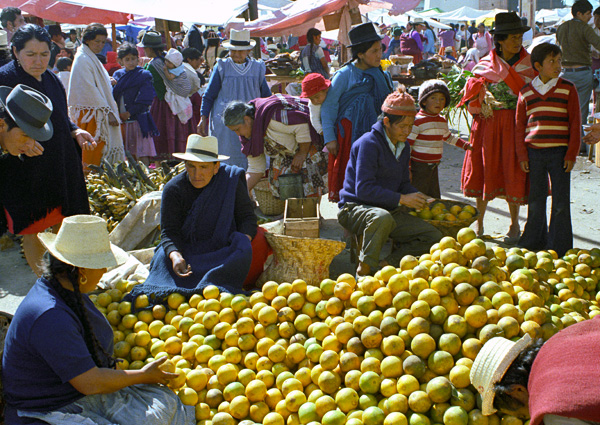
(82, 241)
(490, 365)
(201, 149)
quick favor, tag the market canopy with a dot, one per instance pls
(383, 16)
(465, 13)
(552, 15)
(69, 13)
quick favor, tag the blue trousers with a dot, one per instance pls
(583, 81)
(537, 235)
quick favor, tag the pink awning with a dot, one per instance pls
(67, 13)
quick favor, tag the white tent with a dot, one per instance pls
(465, 13)
(551, 15)
(382, 16)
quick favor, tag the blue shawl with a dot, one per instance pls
(136, 88)
(361, 103)
(217, 253)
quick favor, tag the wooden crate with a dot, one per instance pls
(301, 217)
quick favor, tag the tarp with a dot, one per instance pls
(382, 15)
(68, 13)
(206, 12)
(465, 13)
(551, 15)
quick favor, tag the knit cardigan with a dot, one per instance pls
(548, 121)
(32, 187)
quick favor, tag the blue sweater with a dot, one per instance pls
(374, 176)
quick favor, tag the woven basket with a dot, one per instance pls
(300, 258)
(451, 228)
(267, 203)
(4, 322)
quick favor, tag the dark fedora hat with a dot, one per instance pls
(508, 23)
(152, 39)
(29, 109)
(363, 33)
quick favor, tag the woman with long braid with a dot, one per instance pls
(312, 57)
(58, 366)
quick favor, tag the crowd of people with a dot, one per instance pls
(369, 146)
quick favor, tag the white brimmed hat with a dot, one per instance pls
(239, 40)
(82, 241)
(201, 149)
(491, 364)
(3, 38)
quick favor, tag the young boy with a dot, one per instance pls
(547, 137)
(64, 71)
(428, 135)
(315, 87)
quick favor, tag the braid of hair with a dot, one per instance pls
(78, 307)
(91, 340)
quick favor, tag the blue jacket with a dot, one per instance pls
(374, 176)
(138, 93)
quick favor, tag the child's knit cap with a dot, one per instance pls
(430, 87)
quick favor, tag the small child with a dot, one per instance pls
(315, 87)
(547, 138)
(134, 93)
(64, 71)
(174, 70)
(428, 134)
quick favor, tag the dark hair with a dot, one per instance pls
(191, 53)
(7, 118)
(581, 6)
(28, 32)
(9, 14)
(542, 51)
(360, 48)
(393, 118)
(54, 30)
(127, 48)
(53, 268)
(517, 374)
(597, 11)
(63, 63)
(92, 31)
(311, 34)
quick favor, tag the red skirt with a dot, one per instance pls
(492, 169)
(53, 218)
(336, 168)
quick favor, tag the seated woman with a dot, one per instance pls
(58, 366)
(279, 126)
(207, 222)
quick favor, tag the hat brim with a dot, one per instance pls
(521, 30)
(154, 46)
(227, 45)
(498, 372)
(115, 257)
(199, 157)
(371, 40)
(40, 134)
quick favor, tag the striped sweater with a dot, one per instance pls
(548, 121)
(428, 134)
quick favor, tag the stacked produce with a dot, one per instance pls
(392, 349)
(440, 212)
(113, 191)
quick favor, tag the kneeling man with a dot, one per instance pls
(377, 190)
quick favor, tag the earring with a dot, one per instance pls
(82, 279)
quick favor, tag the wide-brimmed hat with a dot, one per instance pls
(417, 21)
(508, 23)
(364, 33)
(201, 149)
(314, 83)
(3, 38)
(69, 45)
(30, 110)
(239, 40)
(490, 365)
(152, 39)
(82, 241)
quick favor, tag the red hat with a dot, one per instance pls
(314, 83)
(399, 103)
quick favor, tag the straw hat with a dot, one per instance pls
(491, 364)
(201, 149)
(3, 38)
(239, 40)
(82, 241)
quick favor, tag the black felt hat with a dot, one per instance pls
(363, 33)
(508, 23)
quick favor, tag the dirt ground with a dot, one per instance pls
(16, 278)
